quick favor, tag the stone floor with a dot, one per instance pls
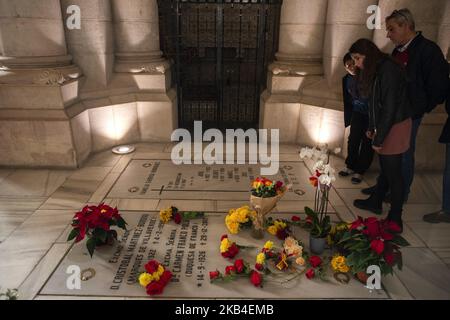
(36, 207)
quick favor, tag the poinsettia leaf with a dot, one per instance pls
(400, 241)
(121, 223)
(100, 234)
(73, 234)
(90, 244)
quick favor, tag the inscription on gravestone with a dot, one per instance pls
(161, 179)
(190, 250)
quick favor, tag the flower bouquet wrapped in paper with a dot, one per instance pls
(264, 198)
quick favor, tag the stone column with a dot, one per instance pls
(138, 53)
(346, 23)
(302, 30)
(92, 46)
(444, 32)
(32, 43)
(429, 16)
(37, 83)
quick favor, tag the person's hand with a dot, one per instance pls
(377, 149)
(369, 134)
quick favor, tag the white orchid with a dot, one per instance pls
(327, 173)
(306, 153)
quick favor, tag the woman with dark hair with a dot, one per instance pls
(383, 81)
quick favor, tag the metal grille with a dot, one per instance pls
(221, 50)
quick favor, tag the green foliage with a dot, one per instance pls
(11, 294)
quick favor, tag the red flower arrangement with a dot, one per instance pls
(373, 242)
(95, 222)
(316, 268)
(172, 213)
(240, 269)
(155, 278)
(228, 249)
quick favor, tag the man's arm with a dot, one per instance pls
(435, 69)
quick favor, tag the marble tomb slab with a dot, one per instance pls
(161, 179)
(190, 251)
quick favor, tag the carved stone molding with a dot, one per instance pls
(56, 76)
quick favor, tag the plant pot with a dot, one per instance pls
(317, 245)
(362, 277)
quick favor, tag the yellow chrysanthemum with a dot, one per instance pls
(155, 276)
(272, 230)
(165, 215)
(280, 224)
(260, 258)
(338, 263)
(232, 224)
(224, 245)
(145, 278)
(268, 245)
(160, 270)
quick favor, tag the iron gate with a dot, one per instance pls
(220, 50)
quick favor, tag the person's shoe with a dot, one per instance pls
(367, 205)
(437, 217)
(369, 191)
(346, 172)
(357, 178)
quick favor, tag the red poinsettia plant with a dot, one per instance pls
(373, 241)
(95, 222)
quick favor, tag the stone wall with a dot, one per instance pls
(67, 93)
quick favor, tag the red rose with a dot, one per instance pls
(214, 275)
(177, 218)
(233, 250)
(152, 266)
(278, 185)
(239, 265)
(309, 220)
(166, 276)
(315, 261)
(310, 274)
(377, 246)
(155, 287)
(256, 278)
(223, 237)
(295, 218)
(230, 269)
(259, 266)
